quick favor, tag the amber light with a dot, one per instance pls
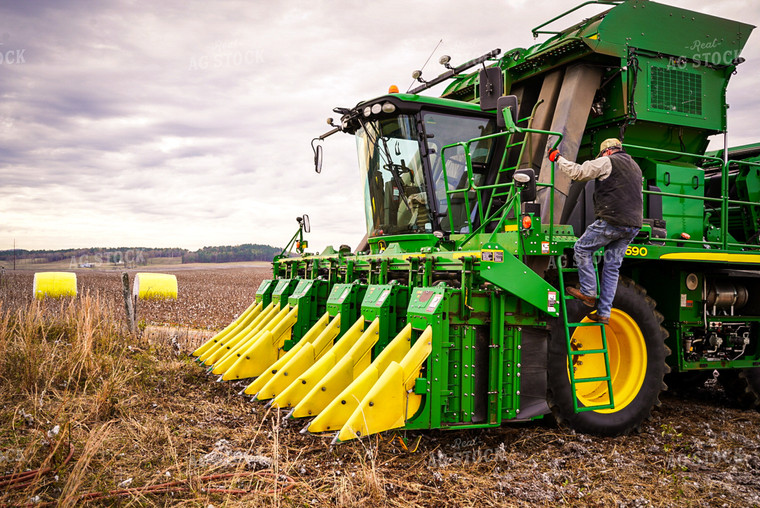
(526, 222)
(393, 89)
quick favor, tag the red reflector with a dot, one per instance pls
(526, 222)
(686, 236)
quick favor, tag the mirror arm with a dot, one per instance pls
(328, 133)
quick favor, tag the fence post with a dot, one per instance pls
(128, 304)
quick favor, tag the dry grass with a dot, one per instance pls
(207, 298)
(139, 409)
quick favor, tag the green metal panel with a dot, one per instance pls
(429, 306)
(311, 297)
(685, 94)
(672, 31)
(396, 244)
(509, 273)
(345, 299)
(507, 362)
(681, 214)
(388, 302)
(264, 292)
(283, 290)
(635, 25)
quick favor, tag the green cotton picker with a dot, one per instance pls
(453, 313)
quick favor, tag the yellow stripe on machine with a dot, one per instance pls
(301, 361)
(348, 368)
(391, 401)
(458, 255)
(712, 257)
(231, 329)
(337, 413)
(299, 387)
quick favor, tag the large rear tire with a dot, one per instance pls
(637, 352)
(743, 386)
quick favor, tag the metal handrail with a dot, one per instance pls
(724, 200)
(465, 145)
(536, 30)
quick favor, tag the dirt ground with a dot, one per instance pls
(698, 449)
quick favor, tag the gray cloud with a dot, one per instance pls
(187, 123)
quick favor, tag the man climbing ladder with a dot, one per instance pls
(618, 211)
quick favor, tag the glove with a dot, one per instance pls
(553, 154)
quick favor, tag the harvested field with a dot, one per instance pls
(138, 413)
(207, 298)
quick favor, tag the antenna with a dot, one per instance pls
(423, 65)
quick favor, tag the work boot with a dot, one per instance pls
(589, 301)
(605, 320)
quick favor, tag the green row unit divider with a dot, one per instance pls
(311, 297)
(264, 292)
(388, 302)
(283, 290)
(429, 306)
(345, 299)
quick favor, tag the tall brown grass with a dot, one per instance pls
(71, 344)
(62, 362)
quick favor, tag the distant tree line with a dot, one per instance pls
(141, 255)
(231, 253)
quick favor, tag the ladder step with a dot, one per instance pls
(588, 352)
(594, 408)
(588, 323)
(592, 379)
(607, 378)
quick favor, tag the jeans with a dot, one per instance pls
(615, 239)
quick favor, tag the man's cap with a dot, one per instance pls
(609, 143)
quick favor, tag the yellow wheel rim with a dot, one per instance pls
(628, 362)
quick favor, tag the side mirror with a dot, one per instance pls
(318, 159)
(507, 101)
(305, 218)
(525, 180)
(491, 87)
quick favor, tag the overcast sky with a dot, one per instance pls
(178, 123)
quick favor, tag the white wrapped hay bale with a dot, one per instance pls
(155, 286)
(54, 284)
